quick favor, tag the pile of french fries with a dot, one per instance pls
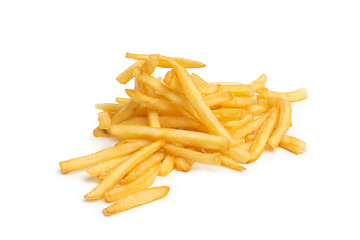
(170, 123)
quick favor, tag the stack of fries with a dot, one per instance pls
(178, 120)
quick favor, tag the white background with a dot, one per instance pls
(59, 58)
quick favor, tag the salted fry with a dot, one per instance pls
(264, 134)
(230, 163)
(294, 96)
(109, 107)
(238, 102)
(103, 155)
(125, 112)
(203, 87)
(256, 109)
(229, 114)
(250, 127)
(206, 158)
(136, 199)
(153, 118)
(167, 165)
(142, 167)
(260, 82)
(97, 132)
(141, 183)
(235, 125)
(104, 120)
(151, 62)
(183, 165)
(121, 170)
(186, 63)
(127, 75)
(246, 146)
(104, 166)
(239, 90)
(120, 100)
(238, 154)
(217, 98)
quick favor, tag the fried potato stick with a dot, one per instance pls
(230, 163)
(294, 96)
(167, 165)
(127, 75)
(183, 165)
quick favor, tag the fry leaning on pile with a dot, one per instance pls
(171, 122)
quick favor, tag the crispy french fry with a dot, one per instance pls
(104, 166)
(121, 170)
(141, 183)
(256, 109)
(124, 113)
(239, 90)
(149, 65)
(183, 165)
(103, 155)
(127, 75)
(283, 123)
(230, 163)
(294, 96)
(153, 118)
(196, 139)
(235, 125)
(186, 63)
(109, 107)
(120, 100)
(104, 120)
(238, 154)
(264, 134)
(167, 165)
(229, 114)
(246, 146)
(206, 158)
(102, 133)
(250, 127)
(238, 102)
(197, 102)
(260, 82)
(203, 87)
(136, 199)
(142, 167)
(217, 98)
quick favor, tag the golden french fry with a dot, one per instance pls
(217, 98)
(136, 199)
(239, 90)
(229, 114)
(186, 63)
(196, 139)
(124, 113)
(142, 167)
(104, 166)
(167, 165)
(141, 183)
(136, 121)
(103, 155)
(104, 120)
(264, 134)
(294, 96)
(121, 170)
(246, 146)
(197, 102)
(230, 163)
(183, 165)
(149, 65)
(104, 174)
(283, 123)
(250, 127)
(109, 107)
(120, 100)
(235, 125)
(102, 133)
(238, 102)
(238, 154)
(153, 118)
(256, 109)
(203, 87)
(260, 82)
(127, 75)
(206, 158)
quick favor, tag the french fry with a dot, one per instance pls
(283, 123)
(206, 158)
(109, 107)
(197, 102)
(264, 134)
(196, 139)
(121, 170)
(104, 166)
(294, 96)
(246, 146)
(186, 63)
(229, 114)
(141, 183)
(217, 98)
(104, 120)
(183, 165)
(256, 109)
(250, 127)
(235, 125)
(238, 154)
(120, 100)
(203, 87)
(153, 118)
(124, 113)
(239, 90)
(167, 165)
(142, 167)
(136, 199)
(230, 163)
(238, 102)
(260, 82)
(100, 156)
(127, 75)
(151, 62)
(97, 132)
